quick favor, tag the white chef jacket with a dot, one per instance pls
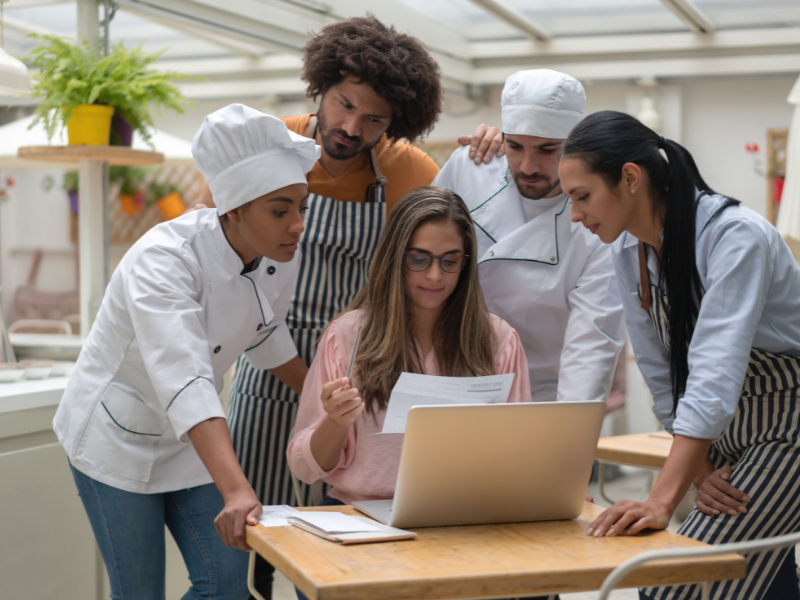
(177, 314)
(752, 300)
(551, 279)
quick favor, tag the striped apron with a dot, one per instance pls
(336, 252)
(762, 444)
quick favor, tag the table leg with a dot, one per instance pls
(706, 590)
(92, 249)
(251, 569)
(601, 481)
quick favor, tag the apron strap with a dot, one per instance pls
(644, 278)
(311, 130)
(380, 178)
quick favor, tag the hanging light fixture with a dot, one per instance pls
(14, 76)
(648, 112)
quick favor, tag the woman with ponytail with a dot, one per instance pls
(712, 303)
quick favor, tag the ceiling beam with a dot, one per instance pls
(513, 17)
(286, 30)
(633, 70)
(235, 90)
(232, 45)
(397, 14)
(273, 65)
(595, 46)
(27, 28)
(31, 3)
(276, 29)
(687, 12)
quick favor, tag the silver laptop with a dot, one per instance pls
(492, 463)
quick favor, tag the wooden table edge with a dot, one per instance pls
(114, 155)
(717, 568)
(617, 449)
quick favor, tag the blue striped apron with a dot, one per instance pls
(762, 444)
(336, 252)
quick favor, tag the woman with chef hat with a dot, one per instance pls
(141, 418)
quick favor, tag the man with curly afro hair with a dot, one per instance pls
(379, 91)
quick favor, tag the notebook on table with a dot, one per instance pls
(347, 529)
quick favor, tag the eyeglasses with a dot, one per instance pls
(449, 263)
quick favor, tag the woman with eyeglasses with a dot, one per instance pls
(422, 311)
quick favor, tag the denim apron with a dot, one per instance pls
(336, 252)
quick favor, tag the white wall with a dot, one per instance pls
(720, 117)
(33, 217)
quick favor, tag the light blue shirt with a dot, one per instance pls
(752, 299)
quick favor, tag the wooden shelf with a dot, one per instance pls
(114, 155)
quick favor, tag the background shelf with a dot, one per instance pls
(114, 155)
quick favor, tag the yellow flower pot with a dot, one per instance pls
(171, 206)
(90, 125)
(129, 204)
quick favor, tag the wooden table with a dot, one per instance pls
(639, 450)
(478, 561)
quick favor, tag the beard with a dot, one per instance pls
(333, 148)
(535, 192)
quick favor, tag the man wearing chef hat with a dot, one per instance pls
(552, 280)
(141, 419)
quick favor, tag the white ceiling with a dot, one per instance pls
(251, 48)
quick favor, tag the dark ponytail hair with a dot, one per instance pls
(607, 140)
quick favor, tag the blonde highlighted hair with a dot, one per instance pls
(465, 341)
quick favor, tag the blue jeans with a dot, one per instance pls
(129, 529)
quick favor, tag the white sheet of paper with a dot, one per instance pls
(413, 389)
(335, 522)
(275, 516)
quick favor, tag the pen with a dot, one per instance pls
(353, 355)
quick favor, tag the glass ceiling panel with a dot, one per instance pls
(562, 18)
(600, 17)
(738, 14)
(61, 19)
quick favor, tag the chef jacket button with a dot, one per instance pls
(491, 252)
(217, 349)
(552, 259)
(483, 209)
(270, 270)
(260, 325)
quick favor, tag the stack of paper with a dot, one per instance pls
(276, 516)
(335, 522)
(346, 529)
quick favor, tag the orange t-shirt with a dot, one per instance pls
(404, 165)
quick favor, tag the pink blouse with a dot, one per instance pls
(367, 468)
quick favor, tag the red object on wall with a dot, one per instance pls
(777, 188)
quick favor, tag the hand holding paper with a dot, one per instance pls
(413, 389)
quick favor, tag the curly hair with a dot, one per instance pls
(395, 65)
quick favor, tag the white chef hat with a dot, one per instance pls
(543, 103)
(245, 154)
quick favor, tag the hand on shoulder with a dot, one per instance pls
(485, 143)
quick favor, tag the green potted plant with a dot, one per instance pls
(168, 199)
(74, 82)
(135, 88)
(70, 185)
(131, 196)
